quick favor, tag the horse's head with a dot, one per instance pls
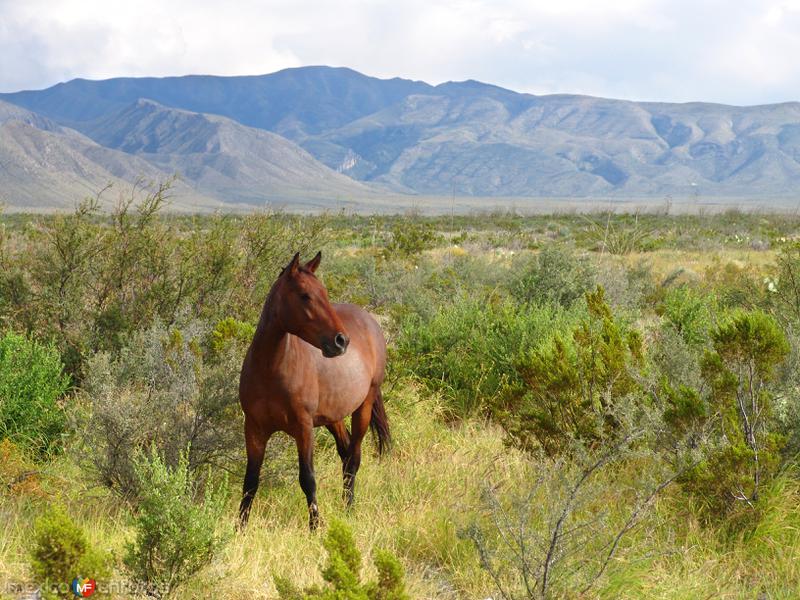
(305, 311)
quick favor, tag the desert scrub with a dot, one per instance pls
(160, 390)
(343, 573)
(557, 274)
(468, 350)
(61, 552)
(89, 279)
(571, 383)
(690, 312)
(176, 525)
(32, 383)
(410, 237)
(739, 371)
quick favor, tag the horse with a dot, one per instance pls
(310, 364)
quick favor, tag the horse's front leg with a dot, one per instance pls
(255, 441)
(305, 454)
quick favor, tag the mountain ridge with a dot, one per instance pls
(463, 138)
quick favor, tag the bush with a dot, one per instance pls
(555, 275)
(342, 573)
(175, 533)
(61, 552)
(31, 384)
(161, 391)
(230, 331)
(411, 237)
(572, 383)
(468, 350)
(557, 535)
(739, 370)
(690, 313)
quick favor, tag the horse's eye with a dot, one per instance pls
(305, 297)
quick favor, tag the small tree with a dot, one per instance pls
(739, 370)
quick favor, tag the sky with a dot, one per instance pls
(733, 51)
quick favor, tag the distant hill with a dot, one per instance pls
(218, 161)
(408, 137)
(43, 165)
(219, 156)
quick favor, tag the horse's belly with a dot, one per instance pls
(344, 382)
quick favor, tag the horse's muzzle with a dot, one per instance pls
(335, 347)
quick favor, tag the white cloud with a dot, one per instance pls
(716, 50)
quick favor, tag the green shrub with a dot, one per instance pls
(467, 350)
(690, 313)
(411, 237)
(739, 371)
(175, 532)
(342, 573)
(572, 383)
(31, 384)
(556, 275)
(62, 552)
(785, 289)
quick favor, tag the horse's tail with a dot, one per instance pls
(379, 423)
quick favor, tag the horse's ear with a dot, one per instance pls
(314, 262)
(294, 265)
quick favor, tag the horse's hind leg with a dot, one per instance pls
(305, 454)
(342, 437)
(256, 443)
(360, 425)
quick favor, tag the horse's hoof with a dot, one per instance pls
(313, 517)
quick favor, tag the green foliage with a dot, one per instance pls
(684, 408)
(176, 534)
(556, 274)
(689, 312)
(573, 382)
(739, 370)
(230, 331)
(31, 384)
(342, 573)
(160, 390)
(62, 552)
(467, 352)
(89, 281)
(411, 237)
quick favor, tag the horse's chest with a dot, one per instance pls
(343, 385)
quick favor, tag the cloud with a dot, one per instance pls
(673, 50)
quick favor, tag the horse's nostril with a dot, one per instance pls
(341, 341)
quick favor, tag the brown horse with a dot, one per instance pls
(311, 363)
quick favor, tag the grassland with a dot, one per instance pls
(422, 500)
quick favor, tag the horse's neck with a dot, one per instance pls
(271, 340)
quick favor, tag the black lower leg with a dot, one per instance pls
(249, 490)
(309, 486)
(350, 469)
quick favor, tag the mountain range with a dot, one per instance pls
(321, 136)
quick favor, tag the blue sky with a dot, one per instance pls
(736, 52)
